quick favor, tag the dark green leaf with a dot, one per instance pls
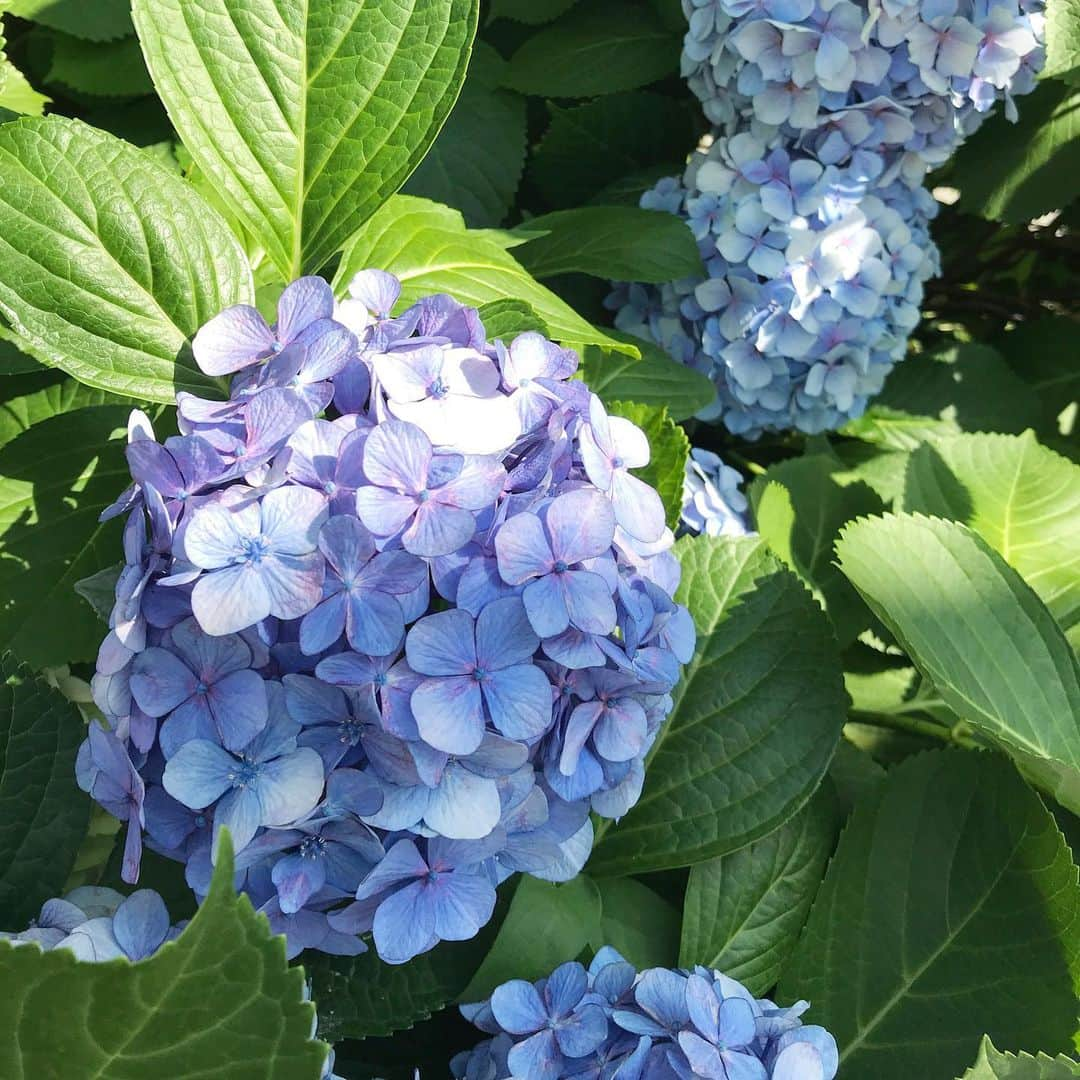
(950, 909)
(854, 774)
(12, 360)
(637, 922)
(306, 114)
(55, 479)
(41, 395)
(756, 719)
(1042, 354)
(109, 20)
(109, 262)
(614, 242)
(991, 1064)
(533, 12)
(99, 590)
(43, 815)
(101, 69)
(219, 1001)
(745, 911)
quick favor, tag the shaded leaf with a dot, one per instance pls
(111, 19)
(534, 12)
(639, 923)
(102, 69)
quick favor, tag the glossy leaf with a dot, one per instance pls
(306, 114)
(992, 1064)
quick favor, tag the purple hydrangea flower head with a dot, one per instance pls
(369, 604)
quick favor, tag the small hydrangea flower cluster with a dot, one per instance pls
(713, 502)
(397, 613)
(610, 1021)
(807, 202)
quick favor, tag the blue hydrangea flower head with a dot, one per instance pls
(398, 613)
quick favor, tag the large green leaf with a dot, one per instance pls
(1063, 40)
(1014, 172)
(588, 147)
(307, 114)
(546, 925)
(979, 633)
(668, 448)
(101, 69)
(108, 262)
(109, 19)
(655, 379)
(533, 12)
(428, 247)
(799, 508)
(950, 909)
(1041, 353)
(219, 1001)
(55, 478)
(43, 815)
(614, 242)
(744, 911)
(1023, 499)
(992, 1064)
(16, 93)
(639, 923)
(756, 719)
(31, 398)
(599, 48)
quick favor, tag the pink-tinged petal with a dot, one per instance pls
(438, 529)
(463, 806)
(214, 535)
(230, 600)
(327, 356)
(503, 635)
(397, 455)
(469, 374)
(303, 302)
(384, 512)
(442, 644)
(408, 375)
(160, 681)
(476, 486)
(449, 713)
(589, 603)
(522, 549)
(519, 701)
(293, 583)
(581, 525)
(631, 445)
(292, 517)
(346, 544)
(638, 508)
(234, 339)
(377, 290)
(596, 462)
(314, 448)
(323, 625)
(545, 605)
(289, 787)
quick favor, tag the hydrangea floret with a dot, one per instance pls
(397, 613)
(713, 500)
(610, 1021)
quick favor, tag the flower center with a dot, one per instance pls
(201, 687)
(423, 496)
(330, 487)
(312, 847)
(480, 674)
(255, 548)
(438, 389)
(350, 730)
(560, 567)
(245, 774)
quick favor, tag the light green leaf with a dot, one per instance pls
(587, 147)
(893, 429)
(546, 925)
(992, 1064)
(55, 479)
(533, 12)
(108, 262)
(600, 48)
(109, 20)
(307, 114)
(979, 634)
(43, 815)
(505, 319)
(16, 93)
(428, 247)
(638, 923)
(621, 243)
(756, 719)
(655, 379)
(1015, 172)
(950, 909)
(1021, 498)
(41, 395)
(744, 911)
(669, 448)
(476, 162)
(879, 468)
(102, 69)
(1062, 40)
(221, 1000)
(799, 508)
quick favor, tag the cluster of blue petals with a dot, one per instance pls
(397, 613)
(713, 500)
(610, 1021)
(806, 198)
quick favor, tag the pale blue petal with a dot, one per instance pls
(198, 773)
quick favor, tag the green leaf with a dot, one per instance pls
(1015, 172)
(587, 147)
(879, 468)
(1040, 353)
(637, 922)
(43, 815)
(992, 1064)
(893, 429)
(600, 48)
(219, 1001)
(1062, 41)
(655, 379)
(669, 448)
(476, 162)
(16, 93)
(99, 590)
(55, 479)
(102, 69)
(109, 20)
(533, 12)
(613, 242)
(428, 247)
(756, 719)
(109, 262)
(41, 395)
(979, 634)
(745, 911)
(505, 319)
(306, 114)
(1021, 498)
(12, 360)
(951, 908)
(546, 925)
(799, 507)
(854, 774)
